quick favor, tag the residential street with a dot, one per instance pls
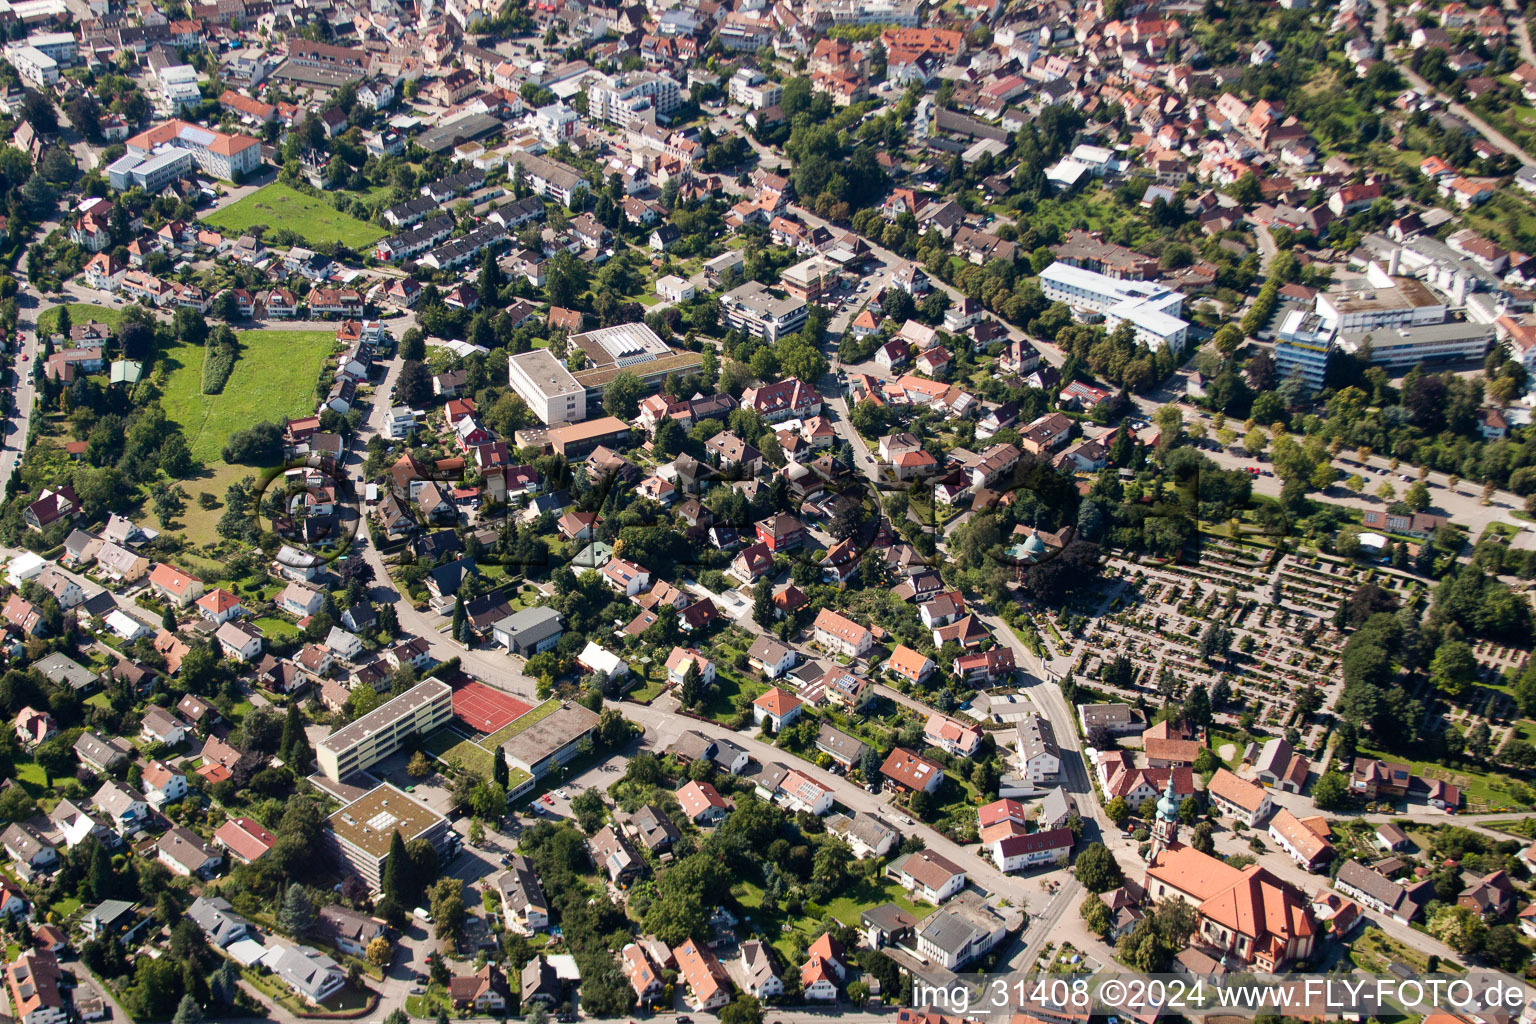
(1484, 129)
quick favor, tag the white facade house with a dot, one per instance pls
(929, 876)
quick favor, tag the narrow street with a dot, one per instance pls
(493, 666)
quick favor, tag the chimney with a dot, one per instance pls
(1394, 261)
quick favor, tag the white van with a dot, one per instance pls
(420, 914)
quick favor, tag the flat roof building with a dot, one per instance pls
(1150, 308)
(810, 279)
(551, 740)
(547, 386)
(575, 439)
(621, 345)
(1402, 348)
(753, 309)
(151, 173)
(1302, 348)
(379, 733)
(361, 833)
(33, 65)
(1379, 300)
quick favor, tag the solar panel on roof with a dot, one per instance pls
(195, 135)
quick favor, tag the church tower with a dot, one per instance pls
(1165, 830)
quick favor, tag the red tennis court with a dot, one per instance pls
(484, 708)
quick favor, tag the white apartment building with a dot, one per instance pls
(379, 733)
(1151, 309)
(753, 309)
(556, 123)
(752, 89)
(33, 65)
(857, 12)
(178, 85)
(635, 98)
(547, 386)
(58, 45)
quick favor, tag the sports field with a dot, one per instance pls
(483, 708)
(273, 379)
(468, 745)
(280, 206)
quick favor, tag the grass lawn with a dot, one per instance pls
(65, 907)
(274, 378)
(427, 1005)
(1482, 791)
(277, 629)
(442, 741)
(1373, 950)
(847, 907)
(782, 931)
(279, 206)
(721, 703)
(471, 757)
(531, 717)
(32, 776)
(79, 313)
(648, 692)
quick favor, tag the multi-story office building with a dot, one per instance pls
(1402, 348)
(219, 155)
(1379, 300)
(382, 731)
(1302, 347)
(547, 386)
(1151, 309)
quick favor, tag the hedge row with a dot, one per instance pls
(218, 364)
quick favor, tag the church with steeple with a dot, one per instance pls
(1165, 829)
(1244, 915)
